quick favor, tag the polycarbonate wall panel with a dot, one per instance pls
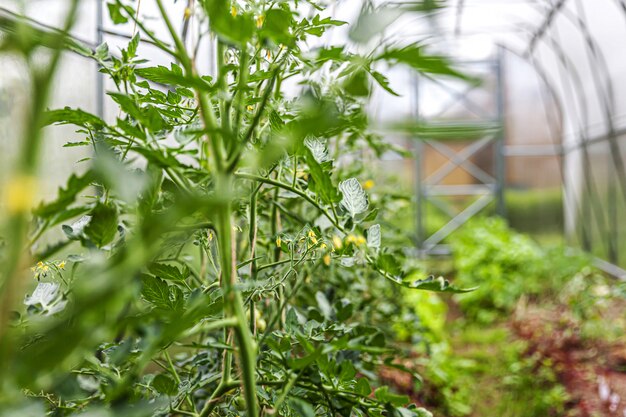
(74, 85)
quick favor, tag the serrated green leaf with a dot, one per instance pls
(77, 117)
(156, 292)
(382, 81)
(102, 227)
(354, 199)
(66, 196)
(318, 149)
(320, 183)
(173, 76)
(165, 384)
(168, 272)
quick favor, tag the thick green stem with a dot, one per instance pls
(253, 264)
(233, 303)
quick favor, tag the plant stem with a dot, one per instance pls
(294, 190)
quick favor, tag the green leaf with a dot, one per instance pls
(165, 384)
(76, 230)
(354, 198)
(318, 149)
(383, 82)
(102, 227)
(173, 76)
(102, 52)
(156, 292)
(66, 196)
(389, 264)
(132, 45)
(372, 23)
(77, 117)
(363, 387)
(438, 284)
(276, 26)
(382, 394)
(148, 115)
(320, 182)
(415, 57)
(301, 407)
(238, 29)
(168, 272)
(116, 14)
(373, 236)
(357, 84)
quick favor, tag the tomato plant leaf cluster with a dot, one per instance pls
(220, 256)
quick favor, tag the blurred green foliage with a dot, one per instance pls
(505, 265)
(220, 255)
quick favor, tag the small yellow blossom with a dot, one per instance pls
(45, 268)
(323, 246)
(278, 242)
(19, 194)
(360, 240)
(368, 184)
(40, 264)
(210, 236)
(259, 21)
(187, 13)
(233, 11)
(61, 265)
(351, 238)
(337, 242)
(326, 259)
(250, 108)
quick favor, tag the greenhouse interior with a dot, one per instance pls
(358, 208)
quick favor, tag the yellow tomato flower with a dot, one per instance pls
(19, 194)
(250, 108)
(233, 11)
(278, 241)
(61, 265)
(326, 259)
(360, 240)
(259, 21)
(368, 184)
(187, 13)
(323, 246)
(351, 238)
(39, 264)
(337, 242)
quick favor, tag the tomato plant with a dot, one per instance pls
(221, 255)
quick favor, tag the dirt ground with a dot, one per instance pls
(592, 371)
